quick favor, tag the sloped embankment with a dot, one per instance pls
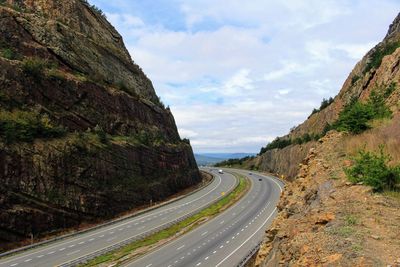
(324, 220)
(83, 136)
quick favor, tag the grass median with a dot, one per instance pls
(140, 247)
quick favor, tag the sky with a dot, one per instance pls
(236, 73)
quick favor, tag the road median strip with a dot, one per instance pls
(155, 240)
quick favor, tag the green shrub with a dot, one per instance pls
(144, 137)
(8, 53)
(25, 126)
(354, 79)
(233, 162)
(324, 104)
(356, 116)
(280, 142)
(101, 134)
(389, 90)
(56, 75)
(34, 67)
(373, 170)
(376, 57)
(122, 86)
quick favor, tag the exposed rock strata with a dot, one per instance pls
(83, 80)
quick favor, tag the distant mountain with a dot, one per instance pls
(228, 155)
(205, 160)
(212, 158)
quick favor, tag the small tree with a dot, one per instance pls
(372, 169)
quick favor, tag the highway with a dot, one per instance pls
(62, 251)
(226, 239)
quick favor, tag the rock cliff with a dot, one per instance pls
(378, 70)
(324, 220)
(83, 136)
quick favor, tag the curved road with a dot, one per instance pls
(58, 252)
(226, 239)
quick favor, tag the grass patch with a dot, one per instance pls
(392, 194)
(350, 220)
(357, 247)
(181, 227)
(343, 231)
(34, 67)
(25, 126)
(8, 53)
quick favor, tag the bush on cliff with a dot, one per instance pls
(355, 117)
(324, 104)
(373, 170)
(25, 126)
(376, 57)
(34, 67)
(101, 134)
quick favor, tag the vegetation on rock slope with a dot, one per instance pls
(83, 136)
(342, 208)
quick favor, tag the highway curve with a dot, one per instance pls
(62, 251)
(226, 239)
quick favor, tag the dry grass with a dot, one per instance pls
(386, 132)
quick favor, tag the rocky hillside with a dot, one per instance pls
(83, 135)
(324, 218)
(378, 71)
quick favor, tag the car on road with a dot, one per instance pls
(260, 179)
(250, 173)
(220, 171)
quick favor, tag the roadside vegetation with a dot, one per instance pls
(171, 232)
(282, 142)
(373, 169)
(233, 162)
(356, 117)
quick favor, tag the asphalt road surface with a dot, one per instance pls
(226, 239)
(59, 252)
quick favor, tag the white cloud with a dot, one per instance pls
(239, 83)
(287, 69)
(243, 72)
(356, 51)
(184, 133)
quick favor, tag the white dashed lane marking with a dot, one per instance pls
(73, 252)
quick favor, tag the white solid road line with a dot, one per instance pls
(180, 247)
(108, 229)
(219, 182)
(247, 238)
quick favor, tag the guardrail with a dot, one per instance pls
(249, 255)
(86, 258)
(138, 213)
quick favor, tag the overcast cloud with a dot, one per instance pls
(236, 74)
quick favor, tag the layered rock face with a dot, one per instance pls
(63, 67)
(324, 220)
(378, 70)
